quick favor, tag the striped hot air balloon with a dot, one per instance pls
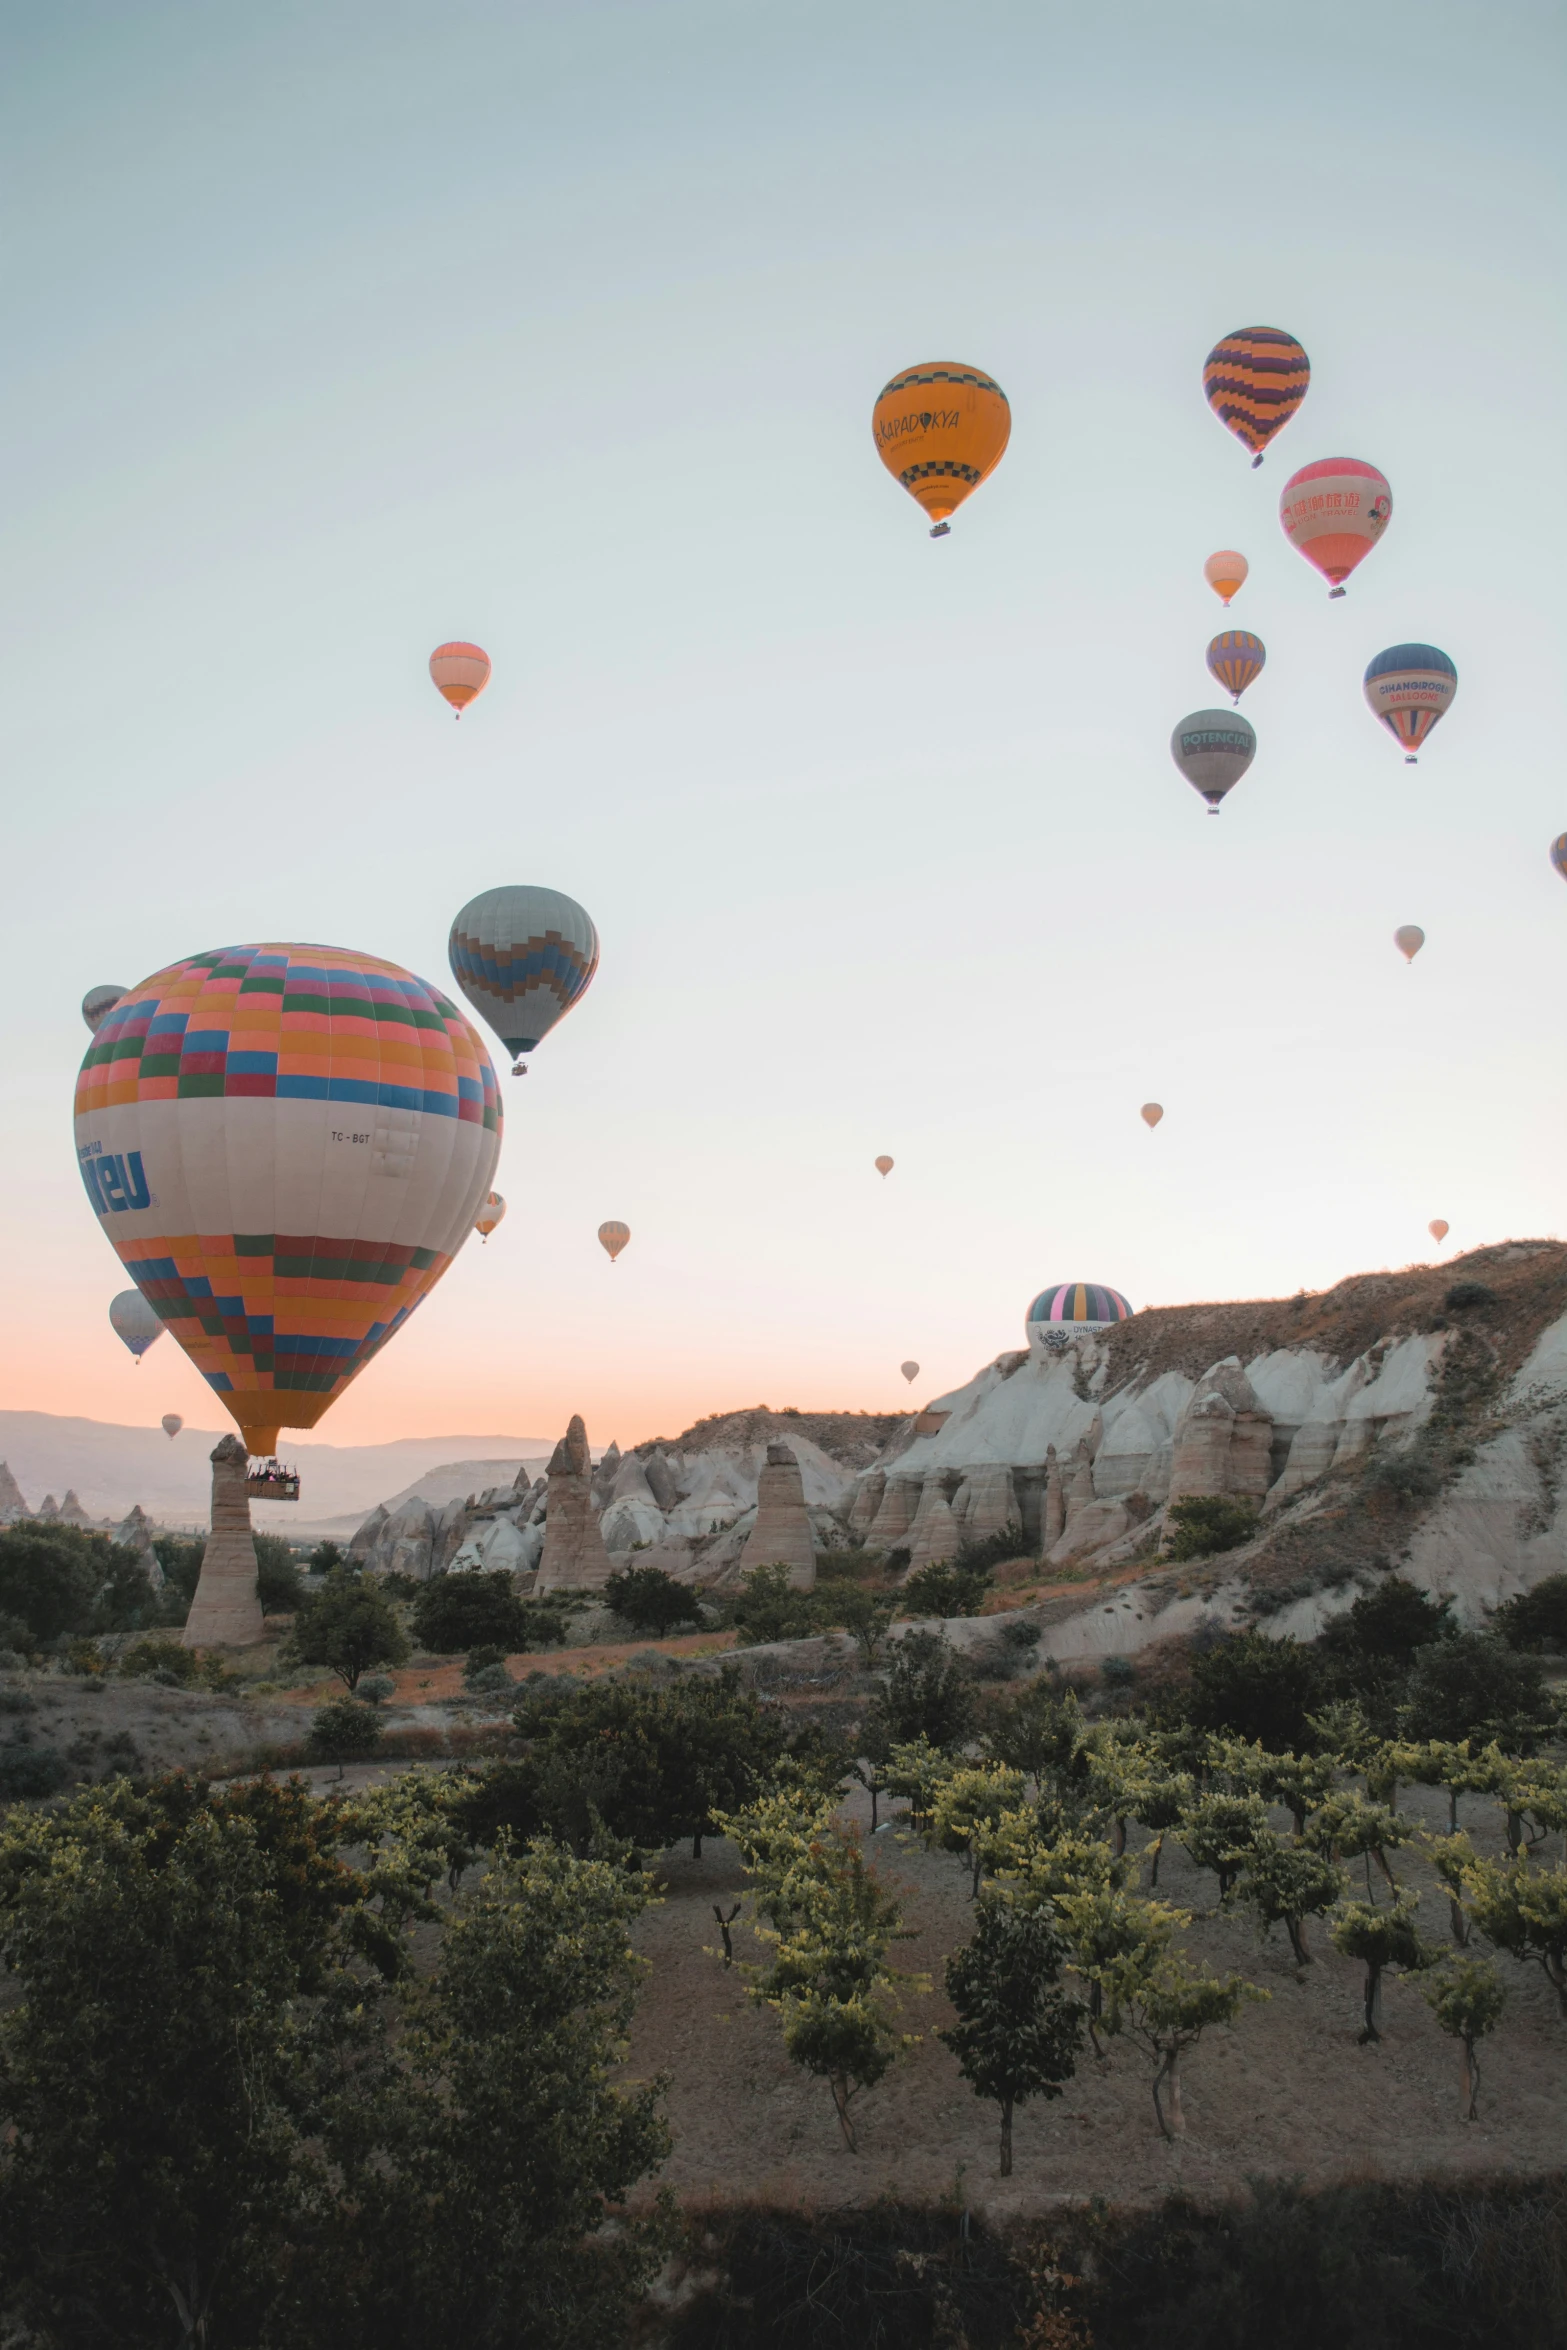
(286, 1146)
(1334, 512)
(940, 429)
(1236, 659)
(1255, 379)
(1070, 1307)
(613, 1237)
(97, 1004)
(1409, 687)
(460, 673)
(522, 957)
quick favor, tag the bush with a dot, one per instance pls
(376, 1688)
(1535, 1619)
(1209, 1523)
(927, 1695)
(1464, 1296)
(473, 1609)
(278, 1586)
(180, 1556)
(162, 1660)
(953, 1588)
(348, 1626)
(649, 1600)
(30, 1771)
(50, 1578)
(1250, 1687)
(1475, 1687)
(326, 1558)
(344, 1731)
(768, 1609)
(15, 1636)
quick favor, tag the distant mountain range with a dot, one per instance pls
(109, 1467)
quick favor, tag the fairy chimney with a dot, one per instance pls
(782, 1535)
(574, 1557)
(227, 1607)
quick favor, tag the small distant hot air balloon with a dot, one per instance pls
(1409, 687)
(1150, 1114)
(1559, 854)
(1438, 1229)
(460, 673)
(489, 1216)
(98, 1003)
(134, 1322)
(1226, 573)
(884, 1166)
(1213, 749)
(171, 1424)
(1236, 659)
(613, 1238)
(522, 956)
(1409, 938)
(1255, 380)
(911, 1371)
(940, 429)
(1334, 512)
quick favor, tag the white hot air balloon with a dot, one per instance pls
(1150, 1114)
(1213, 749)
(134, 1322)
(98, 1003)
(489, 1216)
(1439, 1229)
(1409, 938)
(911, 1371)
(522, 957)
(171, 1424)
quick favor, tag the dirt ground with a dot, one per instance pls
(1286, 2091)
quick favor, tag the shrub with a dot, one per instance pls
(1208, 1523)
(1475, 1687)
(952, 1588)
(1535, 1619)
(30, 1771)
(768, 1609)
(649, 1600)
(376, 1688)
(278, 1586)
(163, 1660)
(927, 1695)
(50, 1577)
(344, 1731)
(1464, 1296)
(474, 1609)
(348, 1626)
(1254, 1688)
(15, 1638)
(326, 1558)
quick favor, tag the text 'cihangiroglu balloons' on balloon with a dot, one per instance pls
(1236, 659)
(1334, 512)
(1410, 687)
(1226, 573)
(1255, 379)
(1213, 749)
(97, 1004)
(286, 1146)
(489, 1216)
(911, 1371)
(523, 956)
(613, 1238)
(1439, 1229)
(134, 1322)
(884, 1166)
(1150, 1114)
(1409, 938)
(460, 673)
(940, 429)
(171, 1424)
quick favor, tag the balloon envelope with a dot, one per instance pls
(1334, 512)
(613, 1238)
(884, 1166)
(460, 672)
(1439, 1228)
(1213, 749)
(286, 1145)
(1409, 687)
(1255, 379)
(940, 429)
(1151, 1113)
(97, 1004)
(1226, 572)
(1236, 659)
(1559, 854)
(134, 1321)
(1409, 938)
(911, 1371)
(522, 956)
(490, 1214)
(171, 1424)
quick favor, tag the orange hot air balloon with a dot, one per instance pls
(1150, 1114)
(1226, 573)
(884, 1166)
(461, 672)
(911, 1371)
(941, 429)
(613, 1238)
(1409, 938)
(1439, 1229)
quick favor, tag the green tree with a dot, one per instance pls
(1285, 1884)
(650, 1600)
(1247, 1686)
(1208, 1524)
(344, 1731)
(1348, 1827)
(51, 1576)
(1380, 1938)
(1391, 1624)
(1018, 2034)
(864, 1615)
(180, 1557)
(1476, 1688)
(1042, 1733)
(1466, 1997)
(1537, 1618)
(348, 1626)
(769, 1608)
(1523, 1910)
(968, 1808)
(326, 1558)
(1112, 1935)
(278, 1586)
(472, 1609)
(1221, 1832)
(953, 1587)
(1165, 2004)
(926, 1694)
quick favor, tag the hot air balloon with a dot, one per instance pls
(1409, 687)
(460, 673)
(1439, 1229)
(911, 1371)
(97, 1004)
(522, 956)
(286, 1145)
(1213, 749)
(171, 1424)
(884, 1166)
(613, 1238)
(1334, 512)
(489, 1216)
(1409, 938)
(1559, 854)
(941, 429)
(1069, 1307)
(1226, 573)
(1236, 659)
(1150, 1114)
(1255, 380)
(134, 1322)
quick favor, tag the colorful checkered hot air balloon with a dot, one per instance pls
(1334, 512)
(286, 1146)
(940, 429)
(522, 956)
(1236, 659)
(1409, 687)
(1255, 380)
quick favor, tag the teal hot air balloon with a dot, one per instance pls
(522, 956)
(1409, 687)
(1213, 749)
(1236, 659)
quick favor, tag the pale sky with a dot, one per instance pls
(337, 330)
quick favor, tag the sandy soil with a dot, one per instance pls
(1286, 2091)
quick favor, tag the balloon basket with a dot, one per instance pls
(942, 530)
(1256, 461)
(1335, 593)
(519, 1068)
(270, 1481)
(1410, 760)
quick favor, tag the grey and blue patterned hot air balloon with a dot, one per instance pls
(522, 956)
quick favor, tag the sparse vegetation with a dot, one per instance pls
(1206, 1525)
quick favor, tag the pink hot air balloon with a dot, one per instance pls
(459, 672)
(1439, 1229)
(884, 1166)
(1409, 938)
(1334, 512)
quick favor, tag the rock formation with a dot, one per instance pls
(49, 1509)
(71, 1510)
(1055, 1502)
(986, 1502)
(1223, 1440)
(782, 1535)
(226, 1608)
(574, 1557)
(933, 1537)
(900, 1502)
(138, 1533)
(866, 1502)
(12, 1506)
